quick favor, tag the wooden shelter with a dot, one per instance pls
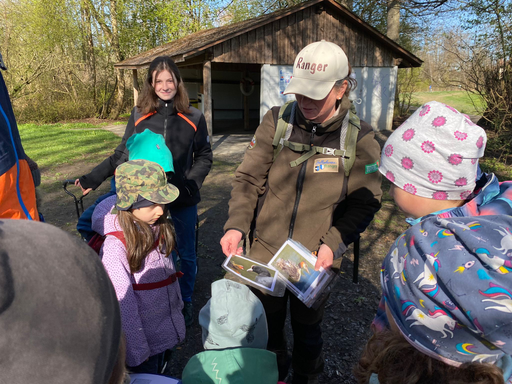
(274, 39)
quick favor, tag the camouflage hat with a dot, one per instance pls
(144, 178)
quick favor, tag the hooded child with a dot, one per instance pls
(446, 313)
(235, 335)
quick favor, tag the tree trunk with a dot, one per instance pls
(112, 35)
(90, 55)
(393, 27)
(119, 104)
(207, 96)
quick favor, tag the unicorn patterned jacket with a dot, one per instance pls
(447, 280)
(491, 197)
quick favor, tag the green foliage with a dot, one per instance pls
(237, 10)
(497, 166)
(407, 80)
(60, 53)
(491, 60)
(373, 12)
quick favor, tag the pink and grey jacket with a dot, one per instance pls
(151, 318)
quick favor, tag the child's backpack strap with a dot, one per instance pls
(284, 126)
(97, 240)
(158, 284)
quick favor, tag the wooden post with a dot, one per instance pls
(207, 95)
(246, 113)
(135, 86)
(246, 106)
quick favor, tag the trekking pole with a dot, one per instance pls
(78, 201)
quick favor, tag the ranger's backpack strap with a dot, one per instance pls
(284, 126)
(354, 126)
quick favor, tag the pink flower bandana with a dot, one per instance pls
(434, 153)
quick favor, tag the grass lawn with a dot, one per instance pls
(66, 146)
(57, 144)
(460, 100)
(66, 151)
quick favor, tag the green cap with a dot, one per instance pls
(144, 178)
(150, 146)
(233, 366)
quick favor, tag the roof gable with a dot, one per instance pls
(275, 38)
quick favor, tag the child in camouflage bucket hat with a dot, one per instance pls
(135, 254)
(139, 180)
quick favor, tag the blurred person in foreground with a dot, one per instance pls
(59, 315)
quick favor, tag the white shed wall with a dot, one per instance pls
(374, 96)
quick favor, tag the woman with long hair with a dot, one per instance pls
(163, 107)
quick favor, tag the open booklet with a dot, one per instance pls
(293, 267)
(296, 266)
(252, 273)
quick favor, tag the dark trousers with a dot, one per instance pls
(184, 220)
(152, 365)
(307, 358)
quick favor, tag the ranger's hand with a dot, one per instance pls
(229, 242)
(325, 257)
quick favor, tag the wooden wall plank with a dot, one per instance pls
(322, 27)
(217, 50)
(275, 42)
(353, 47)
(252, 47)
(369, 53)
(243, 49)
(361, 51)
(294, 46)
(268, 44)
(283, 40)
(340, 34)
(299, 41)
(331, 28)
(226, 52)
(259, 50)
(235, 49)
(306, 31)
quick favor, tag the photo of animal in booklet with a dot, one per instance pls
(296, 265)
(260, 275)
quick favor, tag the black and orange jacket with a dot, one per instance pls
(187, 138)
(17, 190)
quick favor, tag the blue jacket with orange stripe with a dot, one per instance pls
(17, 190)
(186, 136)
